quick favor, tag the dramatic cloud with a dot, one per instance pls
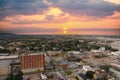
(87, 7)
(80, 7)
(50, 16)
(25, 7)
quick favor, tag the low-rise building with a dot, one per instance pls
(5, 67)
(9, 57)
(117, 53)
(115, 45)
(72, 65)
(63, 64)
(87, 68)
(43, 76)
(115, 72)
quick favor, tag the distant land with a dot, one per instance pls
(7, 34)
(22, 35)
(14, 34)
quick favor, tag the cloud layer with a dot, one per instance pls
(43, 16)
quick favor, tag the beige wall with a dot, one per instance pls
(4, 70)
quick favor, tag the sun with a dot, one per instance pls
(65, 30)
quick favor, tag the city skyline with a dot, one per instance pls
(60, 17)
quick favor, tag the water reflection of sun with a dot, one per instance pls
(65, 30)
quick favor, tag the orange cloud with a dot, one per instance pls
(116, 15)
(54, 17)
(113, 1)
(52, 14)
(53, 11)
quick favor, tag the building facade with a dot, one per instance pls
(32, 62)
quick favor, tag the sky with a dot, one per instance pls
(84, 17)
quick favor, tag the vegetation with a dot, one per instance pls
(18, 76)
(4, 51)
(36, 44)
(90, 74)
(10, 77)
(101, 78)
(105, 67)
(101, 56)
(68, 72)
(76, 78)
(110, 48)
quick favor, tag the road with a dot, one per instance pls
(58, 69)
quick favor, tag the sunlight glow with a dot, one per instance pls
(65, 32)
(113, 1)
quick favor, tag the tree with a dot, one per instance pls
(77, 78)
(90, 74)
(68, 72)
(19, 76)
(105, 67)
(10, 77)
(104, 78)
(4, 51)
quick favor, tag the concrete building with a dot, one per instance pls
(97, 51)
(5, 67)
(43, 76)
(74, 52)
(116, 73)
(87, 68)
(32, 62)
(72, 65)
(117, 53)
(116, 45)
(4, 57)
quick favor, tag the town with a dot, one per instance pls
(59, 57)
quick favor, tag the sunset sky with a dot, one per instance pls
(84, 17)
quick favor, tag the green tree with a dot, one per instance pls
(68, 72)
(90, 74)
(10, 77)
(77, 78)
(105, 67)
(4, 51)
(19, 76)
(104, 78)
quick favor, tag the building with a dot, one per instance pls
(32, 62)
(15, 67)
(6, 56)
(63, 64)
(116, 73)
(72, 65)
(82, 77)
(43, 76)
(115, 45)
(117, 53)
(75, 52)
(87, 68)
(5, 67)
